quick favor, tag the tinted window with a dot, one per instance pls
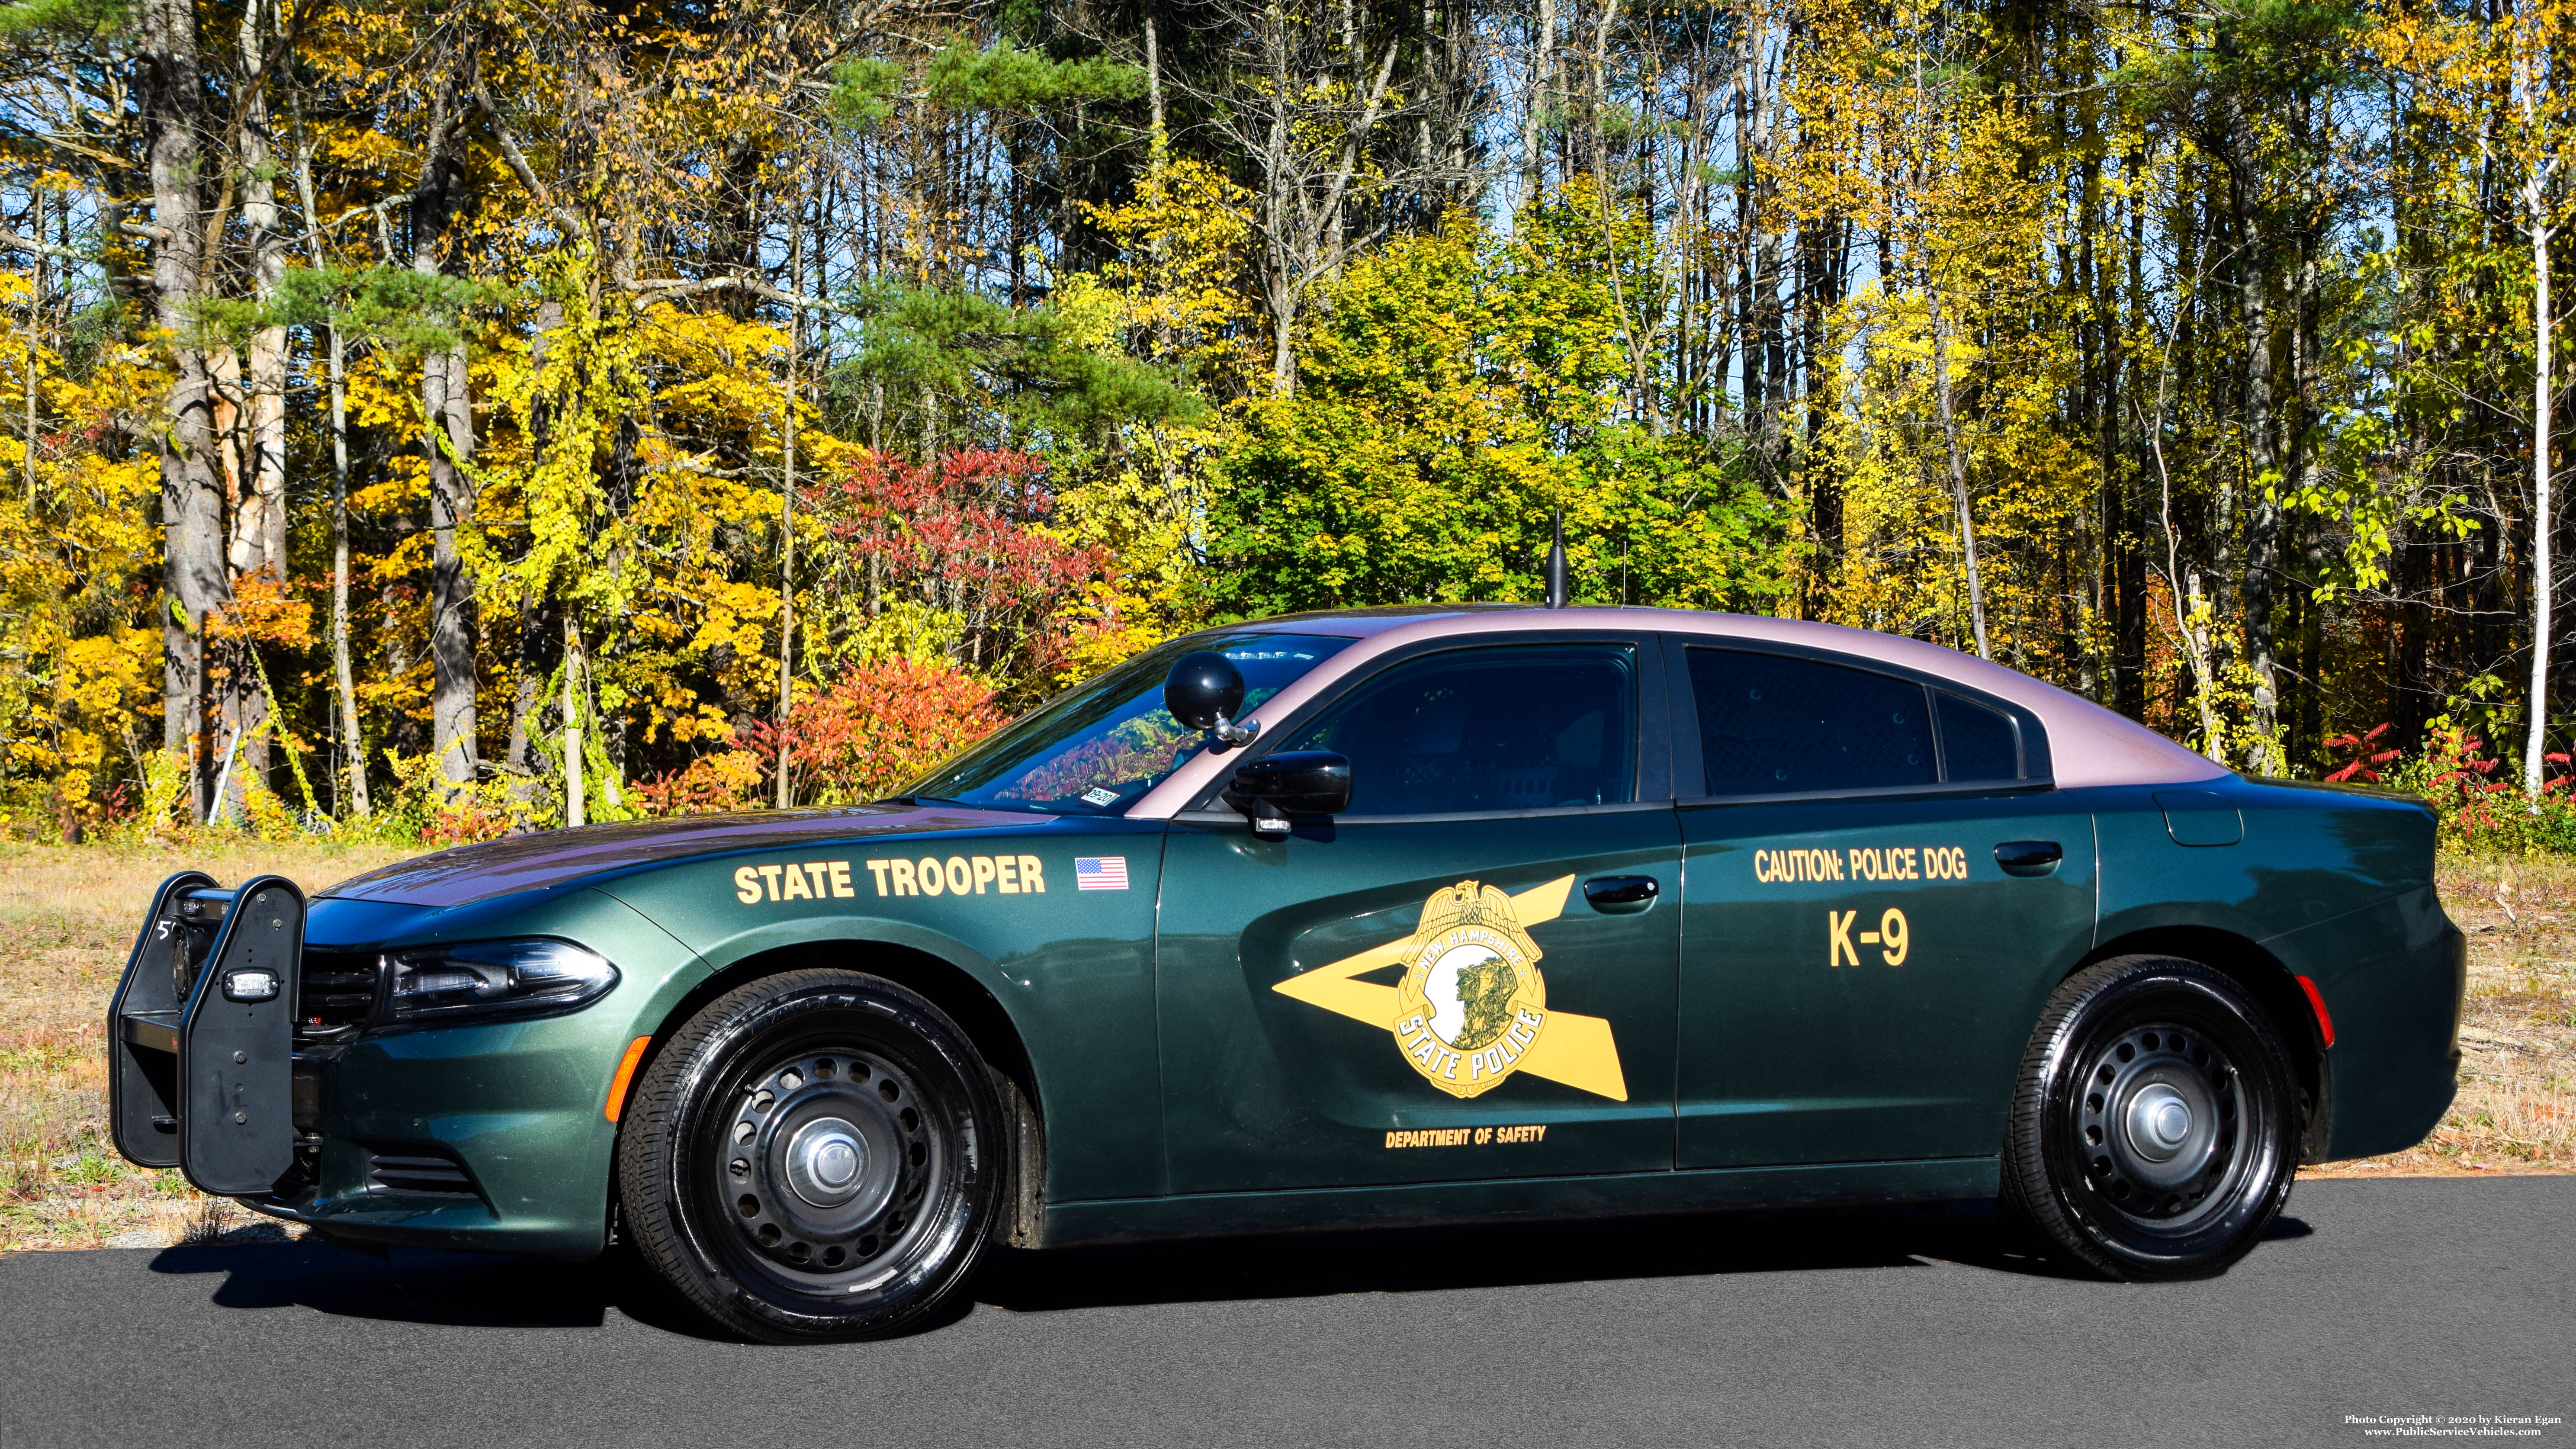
(1092, 750)
(1770, 725)
(1488, 729)
(1976, 742)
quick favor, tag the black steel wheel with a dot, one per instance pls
(2155, 1130)
(807, 1158)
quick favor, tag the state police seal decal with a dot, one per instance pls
(1472, 1003)
(1471, 1010)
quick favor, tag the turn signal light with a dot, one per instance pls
(625, 1076)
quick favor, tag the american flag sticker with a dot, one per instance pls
(1100, 872)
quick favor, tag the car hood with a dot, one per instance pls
(470, 873)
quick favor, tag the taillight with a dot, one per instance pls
(2317, 999)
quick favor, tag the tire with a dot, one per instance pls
(2154, 1132)
(813, 1157)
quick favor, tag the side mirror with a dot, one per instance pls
(1291, 782)
(1203, 691)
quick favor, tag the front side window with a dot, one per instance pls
(1511, 728)
(1094, 749)
(1773, 725)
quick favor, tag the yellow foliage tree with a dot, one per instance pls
(1940, 395)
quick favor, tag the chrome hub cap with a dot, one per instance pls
(824, 1161)
(2159, 1122)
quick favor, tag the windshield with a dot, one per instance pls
(1094, 749)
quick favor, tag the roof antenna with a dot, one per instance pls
(1556, 563)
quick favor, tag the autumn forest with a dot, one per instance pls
(447, 419)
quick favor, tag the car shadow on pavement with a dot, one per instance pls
(419, 1285)
(482, 1291)
(1412, 1260)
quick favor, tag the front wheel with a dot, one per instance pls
(809, 1158)
(2155, 1130)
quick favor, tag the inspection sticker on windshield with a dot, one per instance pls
(1100, 872)
(1101, 795)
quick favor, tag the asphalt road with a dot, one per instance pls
(1905, 1327)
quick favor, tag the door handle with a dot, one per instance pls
(2029, 857)
(1621, 895)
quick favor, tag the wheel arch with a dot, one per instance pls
(2273, 987)
(957, 993)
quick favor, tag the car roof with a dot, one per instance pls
(2088, 745)
(1376, 619)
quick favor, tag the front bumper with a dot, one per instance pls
(489, 1135)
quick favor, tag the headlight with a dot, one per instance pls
(496, 978)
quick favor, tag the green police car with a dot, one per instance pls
(1392, 916)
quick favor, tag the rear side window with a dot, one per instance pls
(1510, 728)
(1977, 743)
(1772, 725)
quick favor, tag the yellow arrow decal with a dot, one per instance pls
(1574, 1049)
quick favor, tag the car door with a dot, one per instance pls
(1470, 972)
(1879, 886)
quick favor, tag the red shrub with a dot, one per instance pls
(2365, 761)
(881, 727)
(963, 535)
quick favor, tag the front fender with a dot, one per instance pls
(1071, 971)
(519, 1105)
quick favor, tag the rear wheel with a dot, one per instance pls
(2155, 1130)
(808, 1158)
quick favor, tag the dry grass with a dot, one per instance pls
(67, 919)
(2516, 1111)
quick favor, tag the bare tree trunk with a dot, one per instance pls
(2182, 590)
(2544, 517)
(259, 518)
(1757, 282)
(2528, 95)
(1767, 339)
(452, 623)
(787, 521)
(1542, 73)
(352, 737)
(536, 618)
(2263, 509)
(574, 803)
(192, 492)
(447, 411)
(1278, 196)
(1159, 141)
(35, 319)
(1597, 97)
(259, 533)
(534, 623)
(1958, 459)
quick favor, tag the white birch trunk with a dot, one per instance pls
(2543, 514)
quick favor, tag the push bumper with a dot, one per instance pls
(201, 1034)
(484, 1135)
